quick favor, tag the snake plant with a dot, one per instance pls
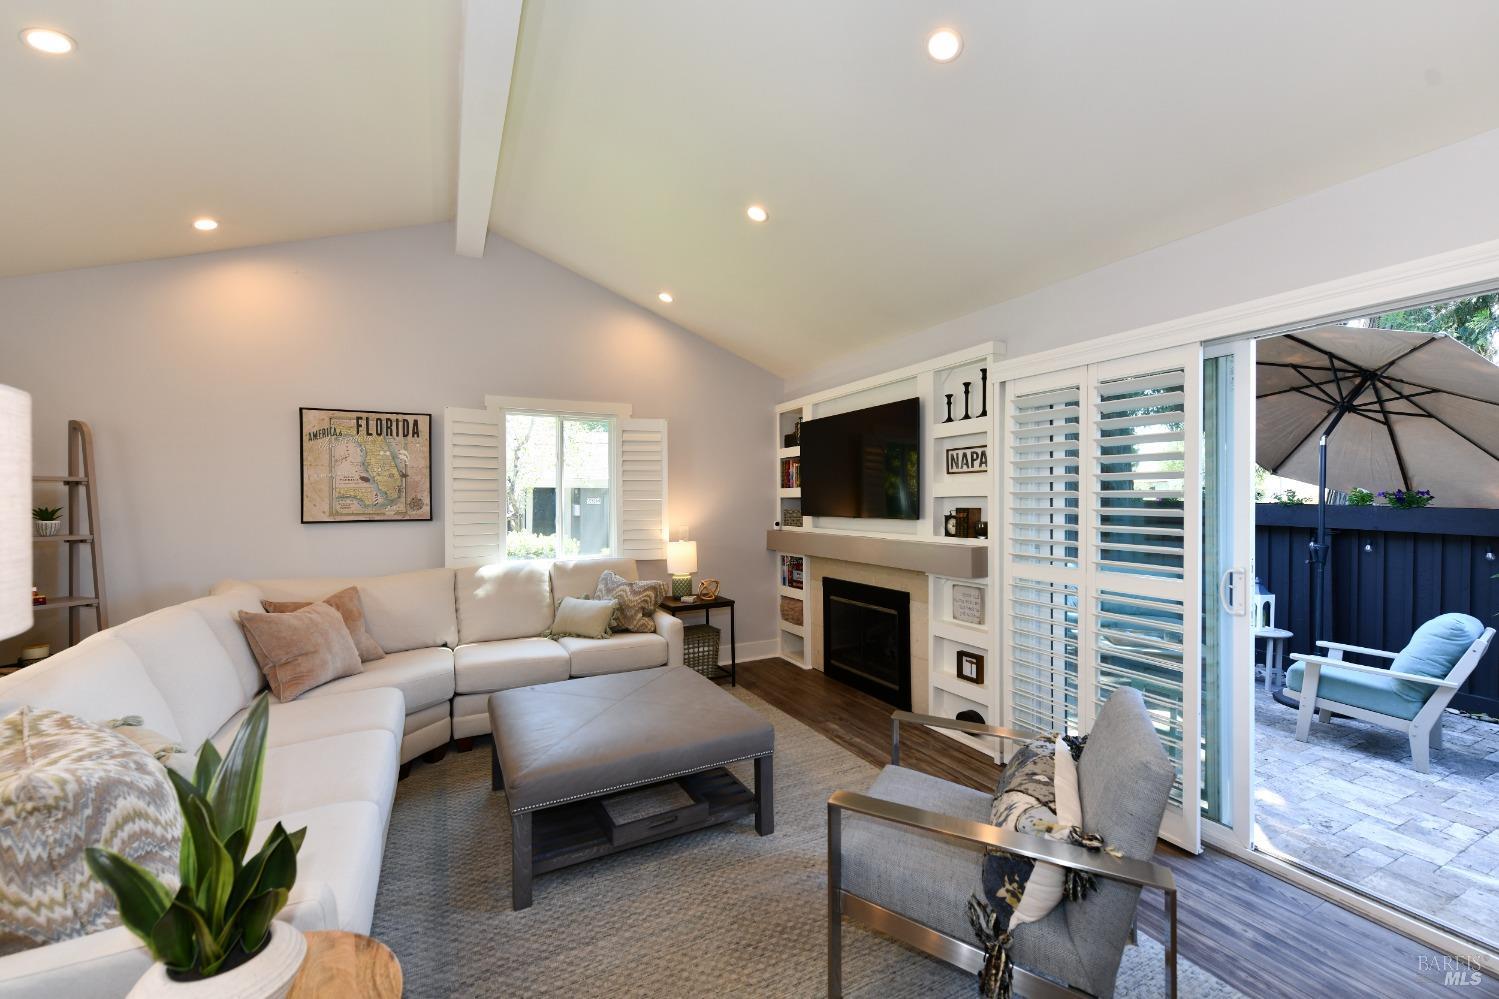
(221, 915)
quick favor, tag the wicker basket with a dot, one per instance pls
(792, 516)
(791, 610)
(700, 648)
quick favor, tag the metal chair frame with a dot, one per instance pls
(957, 952)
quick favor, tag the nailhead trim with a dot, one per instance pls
(638, 783)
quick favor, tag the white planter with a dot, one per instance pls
(266, 976)
(48, 528)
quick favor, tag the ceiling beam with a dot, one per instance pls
(490, 31)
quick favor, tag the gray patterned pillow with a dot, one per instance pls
(634, 601)
(66, 785)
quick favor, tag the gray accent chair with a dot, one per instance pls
(905, 858)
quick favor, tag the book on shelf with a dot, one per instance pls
(792, 571)
(791, 473)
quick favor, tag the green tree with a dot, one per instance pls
(1471, 321)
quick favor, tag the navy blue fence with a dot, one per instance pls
(1389, 571)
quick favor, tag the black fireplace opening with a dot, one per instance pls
(866, 639)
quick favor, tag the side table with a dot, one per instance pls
(1275, 650)
(341, 965)
(676, 608)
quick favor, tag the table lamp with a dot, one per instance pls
(15, 511)
(681, 562)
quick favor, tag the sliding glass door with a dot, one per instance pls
(1227, 587)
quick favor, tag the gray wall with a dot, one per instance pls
(191, 371)
(1440, 201)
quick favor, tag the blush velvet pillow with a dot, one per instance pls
(350, 607)
(300, 649)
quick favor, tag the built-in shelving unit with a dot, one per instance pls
(969, 564)
(964, 611)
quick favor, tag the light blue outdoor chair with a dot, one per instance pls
(1409, 695)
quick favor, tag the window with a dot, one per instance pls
(559, 500)
(547, 478)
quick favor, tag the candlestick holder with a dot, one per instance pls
(967, 387)
(949, 408)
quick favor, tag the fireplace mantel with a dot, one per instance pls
(960, 560)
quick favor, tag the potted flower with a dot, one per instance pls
(1406, 499)
(217, 935)
(47, 520)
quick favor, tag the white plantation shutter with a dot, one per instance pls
(642, 489)
(1043, 546)
(1144, 549)
(474, 486)
(1102, 550)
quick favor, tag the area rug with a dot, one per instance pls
(721, 912)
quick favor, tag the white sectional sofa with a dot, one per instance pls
(452, 637)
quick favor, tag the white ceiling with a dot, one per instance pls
(902, 192)
(284, 119)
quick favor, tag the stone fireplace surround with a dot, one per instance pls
(905, 580)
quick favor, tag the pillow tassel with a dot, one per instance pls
(997, 977)
(1077, 884)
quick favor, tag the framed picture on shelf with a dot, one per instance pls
(967, 603)
(968, 460)
(970, 666)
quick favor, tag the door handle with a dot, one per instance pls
(1231, 591)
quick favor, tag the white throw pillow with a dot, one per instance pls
(579, 618)
(1043, 892)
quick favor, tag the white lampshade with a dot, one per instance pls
(15, 511)
(681, 558)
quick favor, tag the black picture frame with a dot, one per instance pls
(424, 426)
(970, 666)
(977, 460)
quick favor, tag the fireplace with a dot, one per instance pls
(866, 639)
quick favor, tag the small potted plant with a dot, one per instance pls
(47, 520)
(1406, 499)
(217, 935)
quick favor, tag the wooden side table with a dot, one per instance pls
(342, 965)
(676, 608)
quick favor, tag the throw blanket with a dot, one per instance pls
(1025, 801)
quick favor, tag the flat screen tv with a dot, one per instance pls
(866, 463)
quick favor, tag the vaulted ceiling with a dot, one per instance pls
(901, 192)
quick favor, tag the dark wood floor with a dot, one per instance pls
(1264, 936)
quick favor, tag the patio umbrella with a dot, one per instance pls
(1377, 409)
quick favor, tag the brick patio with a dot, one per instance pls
(1348, 803)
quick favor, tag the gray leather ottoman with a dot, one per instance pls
(566, 754)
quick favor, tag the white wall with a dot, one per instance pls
(1441, 201)
(191, 371)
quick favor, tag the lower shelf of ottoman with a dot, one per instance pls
(581, 831)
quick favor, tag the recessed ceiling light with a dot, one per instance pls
(757, 213)
(205, 224)
(665, 296)
(944, 44)
(48, 41)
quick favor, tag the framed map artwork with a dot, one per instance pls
(365, 465)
